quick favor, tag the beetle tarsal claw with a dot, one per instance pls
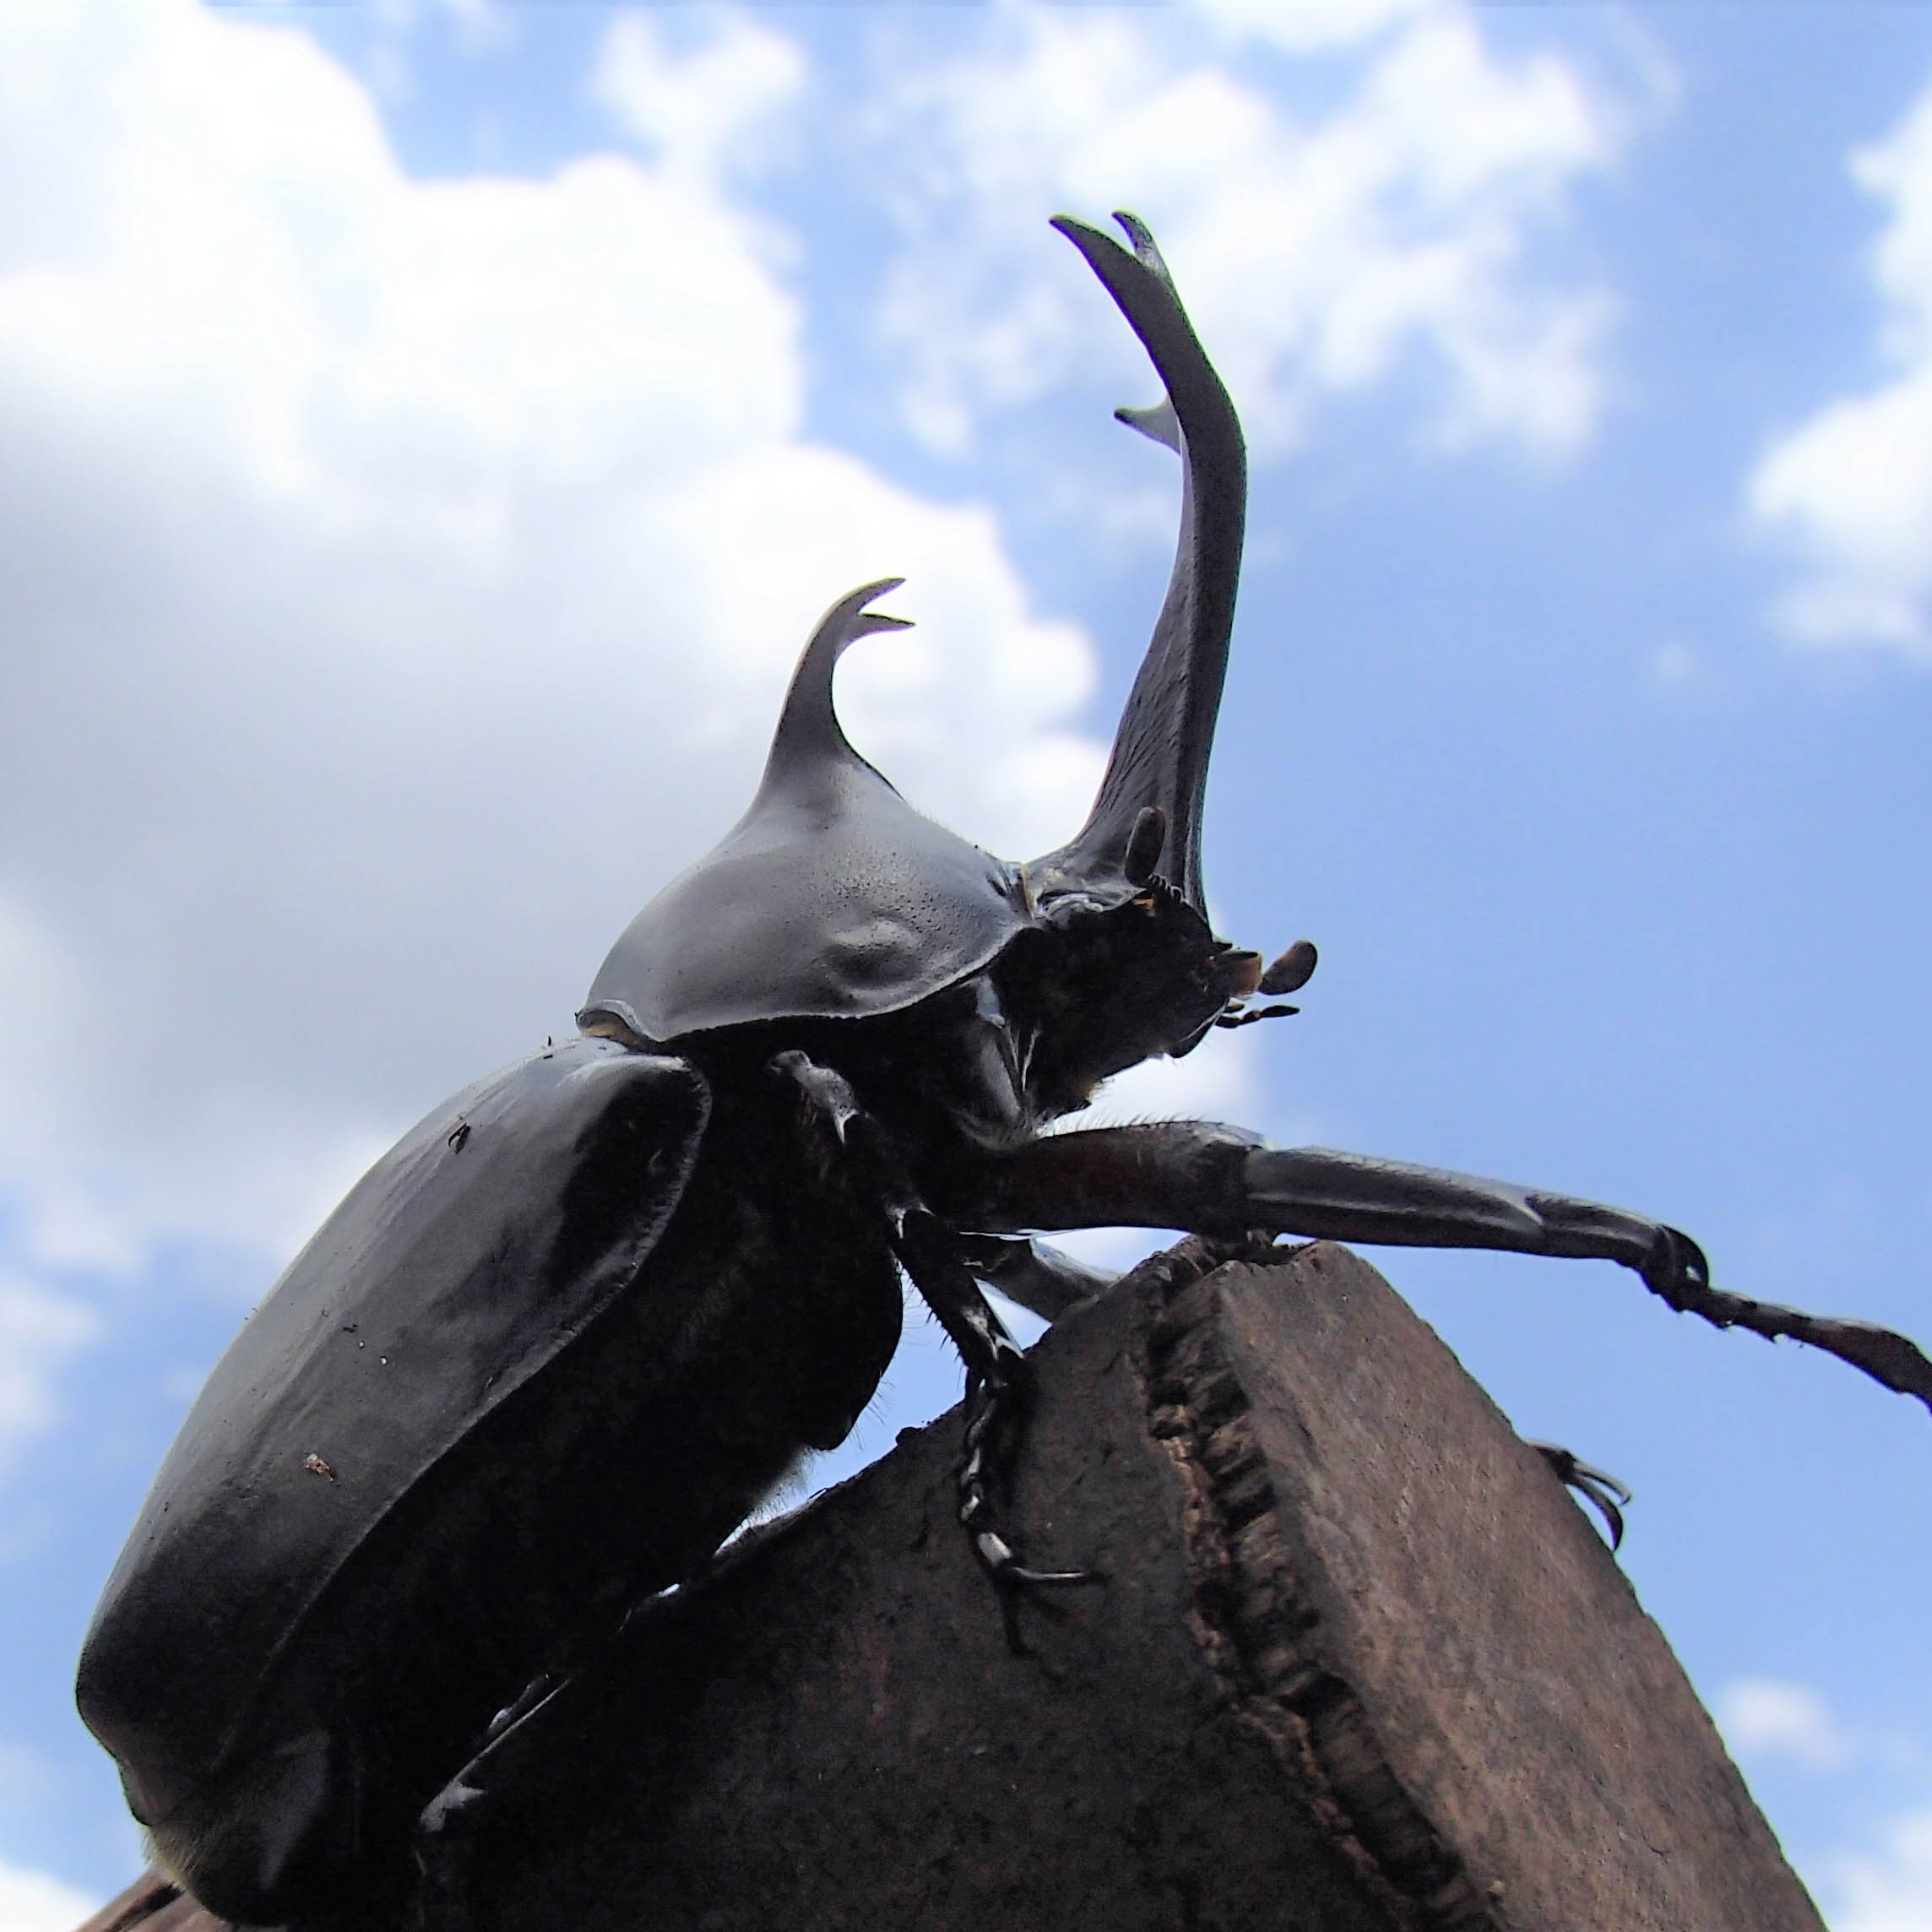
(1051, 1579)
(1598, 1486)
(1013, 1580)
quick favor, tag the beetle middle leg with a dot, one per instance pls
(1040, 1278)
(997, 1370)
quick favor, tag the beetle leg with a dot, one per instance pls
(1598, 1486)
(1042, 1279)
(998, 1382)
(448, 1827)
(445, 1850)
(996, 1371)
(1218, 1180)
(520, 1706)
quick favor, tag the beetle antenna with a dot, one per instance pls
(1292, 971)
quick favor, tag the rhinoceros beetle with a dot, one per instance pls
(559, 1343)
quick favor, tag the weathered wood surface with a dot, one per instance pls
(151, 1904)
(1360, 1662)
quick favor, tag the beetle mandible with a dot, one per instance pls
(562, 1339)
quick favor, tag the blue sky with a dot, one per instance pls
(430, 429)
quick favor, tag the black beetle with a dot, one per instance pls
(558, 1344)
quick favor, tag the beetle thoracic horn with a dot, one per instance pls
(1160, 751)
(808, 728)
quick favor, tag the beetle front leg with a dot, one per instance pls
(1216, 1180)
(446, 1835)
(998, 1385)
(997, 1374)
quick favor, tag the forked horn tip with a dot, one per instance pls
(858, 599)
(849, 618)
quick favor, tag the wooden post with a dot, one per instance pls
(1360, 1662)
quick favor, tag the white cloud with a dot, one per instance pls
(403, 577)
(38, 1329)
(702, 107)
(1302, 26)
(1851, 489)
(1397, 219)
(32, 1901)
(1890, 1891)
(1218, 1081)
(1767, 1717)
(405, 571)
(819, 512)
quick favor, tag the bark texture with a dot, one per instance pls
(1358, 1665)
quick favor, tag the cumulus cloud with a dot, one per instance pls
(700, 108)
(1889, 1891)
(403, 572)
(1398, 218)
(1885, 1884)
(403, 575)
(1309, 26)
(1850, 490)
(32, 1901)
(38, 1329)
(1767, 1717)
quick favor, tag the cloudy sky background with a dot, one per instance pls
(427, 433)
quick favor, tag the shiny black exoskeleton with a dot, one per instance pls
(562, 1340)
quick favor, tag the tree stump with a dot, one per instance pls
(1359, 1663)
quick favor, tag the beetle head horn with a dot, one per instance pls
(1160, 760)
